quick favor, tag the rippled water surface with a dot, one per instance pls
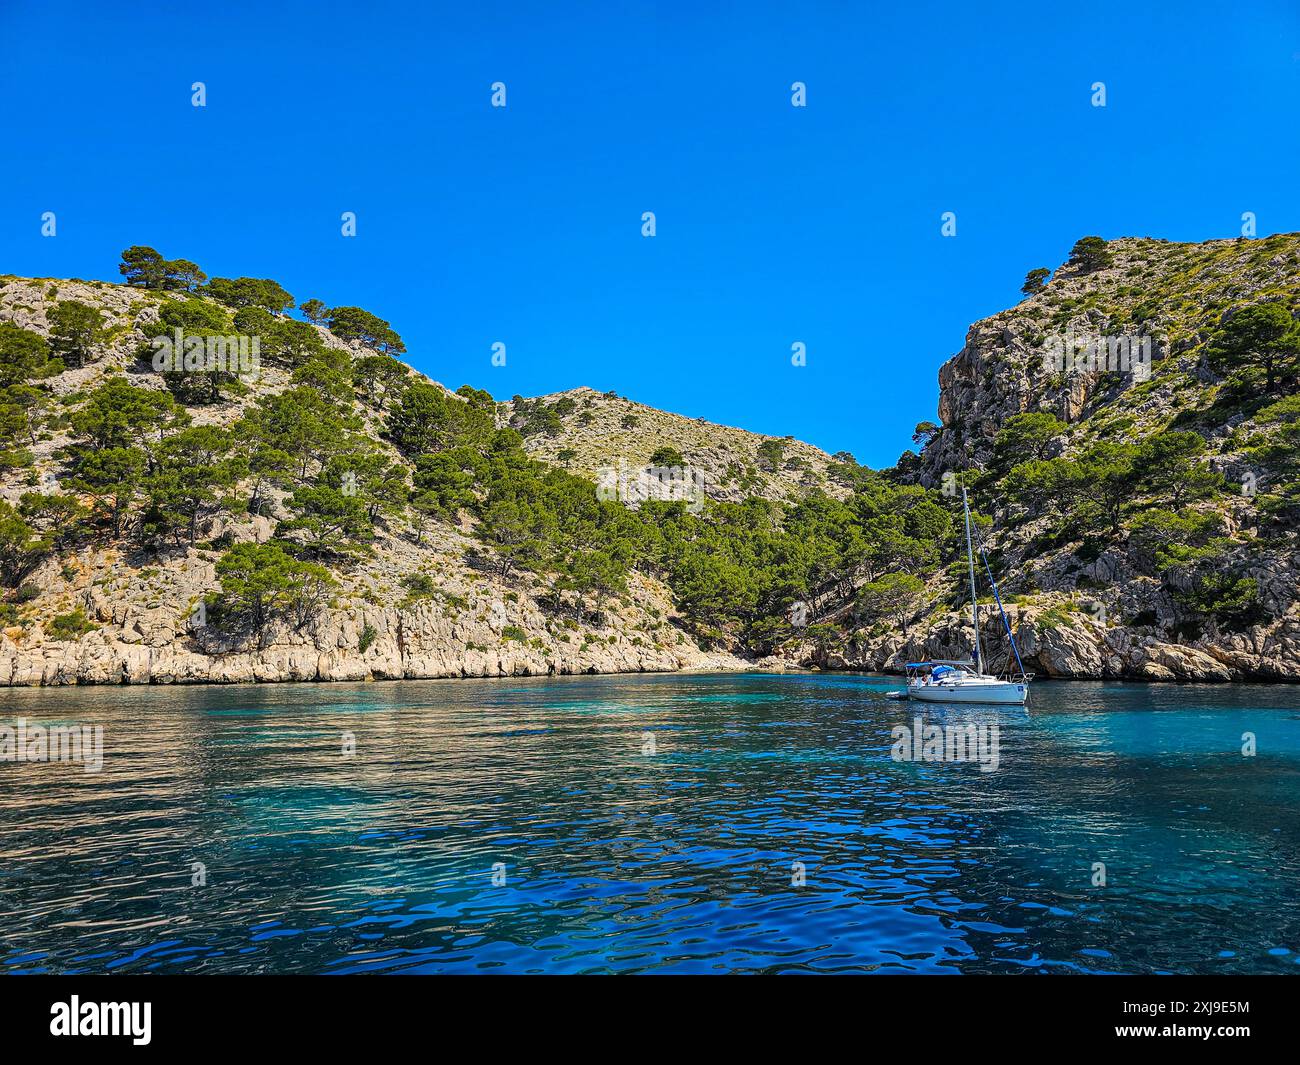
(681, 860)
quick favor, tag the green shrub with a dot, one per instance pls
(69, 626)
(420, 585)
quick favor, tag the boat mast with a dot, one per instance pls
(974, 603)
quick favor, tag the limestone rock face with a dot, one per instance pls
(1074, 648)
(502, 633)
(1103, 606)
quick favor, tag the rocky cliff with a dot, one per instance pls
(1128, 598)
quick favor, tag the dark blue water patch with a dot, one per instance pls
(522, 827)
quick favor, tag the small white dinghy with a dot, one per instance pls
(944, 681)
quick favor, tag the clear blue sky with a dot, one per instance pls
(775, 224)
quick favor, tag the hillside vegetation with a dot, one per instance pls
(295, 502)
(329, 506)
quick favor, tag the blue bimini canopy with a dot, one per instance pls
(937, 669)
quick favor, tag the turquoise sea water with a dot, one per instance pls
(681, 860)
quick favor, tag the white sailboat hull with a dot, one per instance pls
(1005, 693)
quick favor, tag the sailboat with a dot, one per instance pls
(951, 681)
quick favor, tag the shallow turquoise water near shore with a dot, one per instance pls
(616, 860)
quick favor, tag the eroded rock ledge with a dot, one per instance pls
(421, 645)
(1086, 650)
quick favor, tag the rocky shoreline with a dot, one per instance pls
(420, 645)
(1087, 650)
(421, 642)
